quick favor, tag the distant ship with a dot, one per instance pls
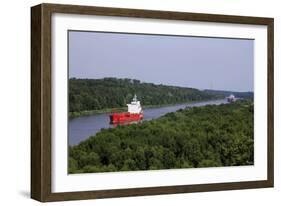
(134, 113)
(231, 98)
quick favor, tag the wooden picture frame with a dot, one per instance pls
(41, 160)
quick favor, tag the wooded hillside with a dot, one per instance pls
(100, 94)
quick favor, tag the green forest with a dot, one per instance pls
(88, 96)
(208, 136)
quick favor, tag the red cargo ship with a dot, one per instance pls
(134, 113)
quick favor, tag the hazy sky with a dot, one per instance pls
(198, 62)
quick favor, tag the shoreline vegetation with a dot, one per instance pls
(123, 109)
(207, 136)
(96, 96)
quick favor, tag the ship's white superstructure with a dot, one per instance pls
(135, 106)
(231, 98)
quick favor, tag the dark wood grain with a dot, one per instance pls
(36, 58)
(41, 101)
(156, 190)
(170, 15)
(270, 102)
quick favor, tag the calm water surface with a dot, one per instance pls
(81, 128)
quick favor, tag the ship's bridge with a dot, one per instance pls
(135, 106)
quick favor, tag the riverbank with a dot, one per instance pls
(81, 128)
(200, 136)
(92, 112)
(124, 109)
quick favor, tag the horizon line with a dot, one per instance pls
(219, 90)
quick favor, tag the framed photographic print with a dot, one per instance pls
(130, 102)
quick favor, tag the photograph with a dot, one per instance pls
(139, 101)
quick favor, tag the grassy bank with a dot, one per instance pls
(92, 112)
(123, 109)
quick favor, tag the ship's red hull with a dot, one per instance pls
(125, 117)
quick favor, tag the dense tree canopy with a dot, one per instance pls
(100, 94)
(209, 136)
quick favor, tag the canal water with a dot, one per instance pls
(80, 128)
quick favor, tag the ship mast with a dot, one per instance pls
(135, 98)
